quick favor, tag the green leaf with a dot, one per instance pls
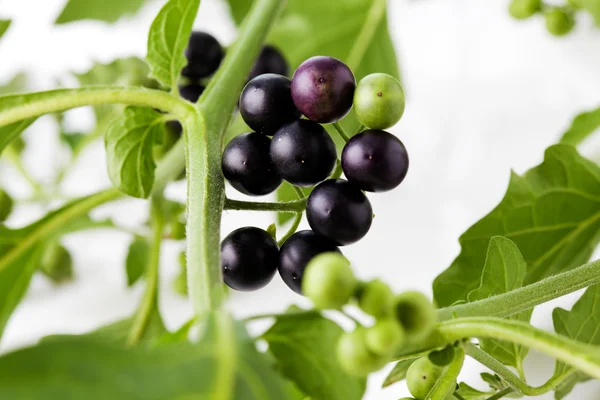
(398, 373)
(552, 214)
(581, 324)
(4, 25)
(85, 367)
(137, 259)
(100, 10)
(504, 270)
(582, 126)
(470, 393)
(11, 132)
(304, 348)
(168, 38)
(129, 142)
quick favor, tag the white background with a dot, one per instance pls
(484, 94)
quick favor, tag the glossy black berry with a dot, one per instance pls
(303, 153)
(296, 253)
(204, 54)
(249, 258)
(323, 89)
(375, 161)
(191, 92)
(266, 103)
(247, 165)
(270, 61)
(340, 211)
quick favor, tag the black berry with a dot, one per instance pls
(296, 253)
(204, 54)
(191, 92)
(375, 161)
(323, 89)
(339, 210)
(266, 103)
(247, 165)
(270, 61)
(303, 153)
(249, 258)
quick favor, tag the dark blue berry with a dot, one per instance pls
(204, 54)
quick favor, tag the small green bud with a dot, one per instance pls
(522, 9)
(56, 263)
(559, 22)
(354, 356)
(6, 205)
(376, 299)
(329, 281)
(415, 313)
(384, 337)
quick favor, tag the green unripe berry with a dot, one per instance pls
(56, 263)
(384, 337)
(329, 281)
(6, 205)
(354, 356)
(379, 101)
(376, 299)
(522, 9)
(422, 376)
(559, 23)
(415, 313)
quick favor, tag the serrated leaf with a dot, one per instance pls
(398, 373)
(168, 38)
(582, 126)
(4, 25)
(299, 343)
(137, 259)
(129, 143)
(504, 270)
(100, 10)
(581, 324)
(552, 214)
(84, 367)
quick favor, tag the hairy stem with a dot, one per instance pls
(514, 381)
(288, 206)
(446, 385)
(150, 298)
(528, 296)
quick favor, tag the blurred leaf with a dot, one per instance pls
(129, 150)
(137, 259)
(17, 83)
(299, 343)
(582, 126)
(73, 140)
(593, 7)
(101, 10)
(398, 373)
(10, 133)
(168, 38)
(4, 25)
(504, 270)
(552, 214)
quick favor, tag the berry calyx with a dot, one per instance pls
(415, 313)
(354, 356)
(375, 161)
(379, 101)
(247, 165)
(559, 22)
(303, 153)
(384, 337)
(329, 281)
(323, 89)
(295, 254)
(6, 205)
(266, 103)
(376, 298)
(249, 259)
(422, 376)
(204, 55)
(270, 61)
(523, 9)
(339, 210)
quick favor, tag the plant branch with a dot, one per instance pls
(297, 218)
(503, 393)
(528, 296)
(296, 206)
(340, 130)
(513, 380)
(446, 385)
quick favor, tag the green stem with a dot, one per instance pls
(528, 296)
(503, 393)
(446, 385)
(289, 206)
(65, 99)
(150, 298)
(514, 381)
(297, 218)
(360, 128)
(366, 34)
(340, 130)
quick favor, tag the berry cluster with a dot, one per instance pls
(301, 152)
(560, 20)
